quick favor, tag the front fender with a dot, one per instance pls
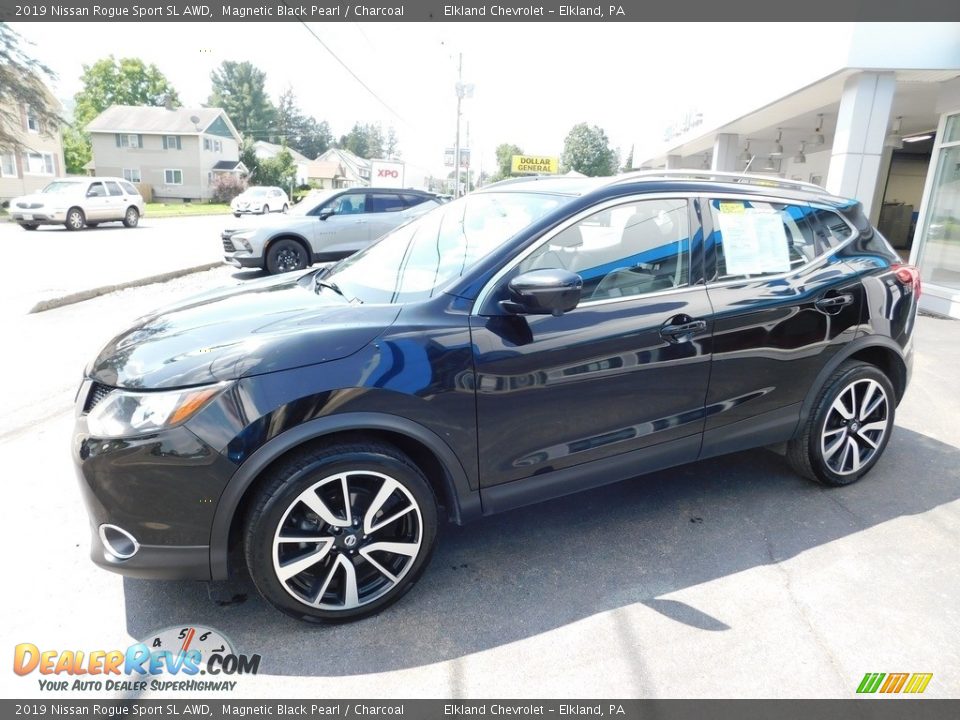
(465, 502)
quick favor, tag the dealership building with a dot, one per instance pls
(879, 121)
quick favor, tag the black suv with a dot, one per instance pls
(534, 339)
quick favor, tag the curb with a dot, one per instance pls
(76, 297)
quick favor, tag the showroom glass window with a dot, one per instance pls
(940, 250)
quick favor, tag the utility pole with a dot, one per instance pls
(456, 145)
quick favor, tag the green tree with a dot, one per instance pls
(364, 140)
(248, 156)
(22, 83)
(280, 170)
(391, 147)
(109, 81)
(587, 150)
(127, 81)
(505, 153)
(628, 163)
(240, 89)
(316, 138)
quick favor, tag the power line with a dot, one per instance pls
(352, 73)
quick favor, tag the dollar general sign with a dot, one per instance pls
(534, 164)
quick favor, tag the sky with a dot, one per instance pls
(533, 81)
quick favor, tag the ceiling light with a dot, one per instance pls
(778, 145)
(745, 156)
(801, 157)
(894, 139)
(818, 138)
(770, 166)
(706, 161)
(918, 138)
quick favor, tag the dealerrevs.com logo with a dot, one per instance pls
(170, 660)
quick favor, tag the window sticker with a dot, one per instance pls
(754, 243)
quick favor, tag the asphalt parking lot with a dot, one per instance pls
(727, 578)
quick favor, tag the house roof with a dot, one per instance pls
(229, 165)
(351, 161)
(157, 120)
(264, 150)
(324, 169)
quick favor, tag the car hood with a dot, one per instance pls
(260, 327)
(41, 198)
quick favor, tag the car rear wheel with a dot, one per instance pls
(131, 218)
(265, 209)
(848, 427)
(75, 219)
(340, 531)
(286, 256)
(285, 208)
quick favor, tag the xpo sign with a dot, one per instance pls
(386, 173)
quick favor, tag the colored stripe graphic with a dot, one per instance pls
(918, 683)
(870, 682)
(894, 683)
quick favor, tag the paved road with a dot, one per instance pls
(53, 262)
(728, 578)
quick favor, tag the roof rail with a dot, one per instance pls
(751, 178)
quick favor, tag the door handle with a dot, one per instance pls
(834, 303)
(676, 331)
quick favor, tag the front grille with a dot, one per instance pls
(97, 393)
(228, 245)
(29, 206)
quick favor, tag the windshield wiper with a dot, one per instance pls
(332, 286)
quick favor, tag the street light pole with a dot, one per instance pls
(456, 145)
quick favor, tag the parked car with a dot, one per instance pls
(324, 226)
(528, 341)
(260, 200)
(79, 202)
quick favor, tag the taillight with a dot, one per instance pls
(908, 275)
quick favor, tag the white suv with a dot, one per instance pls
(260, 200)
(78, 203)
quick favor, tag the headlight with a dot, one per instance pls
(123, 413)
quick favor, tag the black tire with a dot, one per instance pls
(833, 449)
(285, 208)
(279, 511)
(75, 220)
(286, 255)
(236, 215)
(265, 209)
(29, 226)
(131, 218)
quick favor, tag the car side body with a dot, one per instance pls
(80, 202)
(323, 227)
(497, 406)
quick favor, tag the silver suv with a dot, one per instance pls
(324, 226)
(79, 202)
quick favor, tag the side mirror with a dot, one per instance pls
(327, 212)
(543, 292)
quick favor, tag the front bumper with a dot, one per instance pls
(239, 257)
(162, 489)
(41, 216)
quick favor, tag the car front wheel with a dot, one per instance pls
(286, 256)
(75, 219)
(848, 427)
(340, 531)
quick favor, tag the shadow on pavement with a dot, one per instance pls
(519, 574)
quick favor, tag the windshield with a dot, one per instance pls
(60, 186)
(310, 202)
(256, 192)
(417, 259)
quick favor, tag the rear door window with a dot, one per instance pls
(384, 202)
(113, 189)
(128, 188)
(753, 239)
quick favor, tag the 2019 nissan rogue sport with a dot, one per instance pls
(533, 339)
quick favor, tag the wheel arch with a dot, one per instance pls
(438, 462)
(881, 352)
(286, 235)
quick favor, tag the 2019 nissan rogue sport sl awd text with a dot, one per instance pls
(533, 339)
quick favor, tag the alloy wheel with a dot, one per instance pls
(75, 219)
(855, 427)
(347, 540)
(288, 259)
